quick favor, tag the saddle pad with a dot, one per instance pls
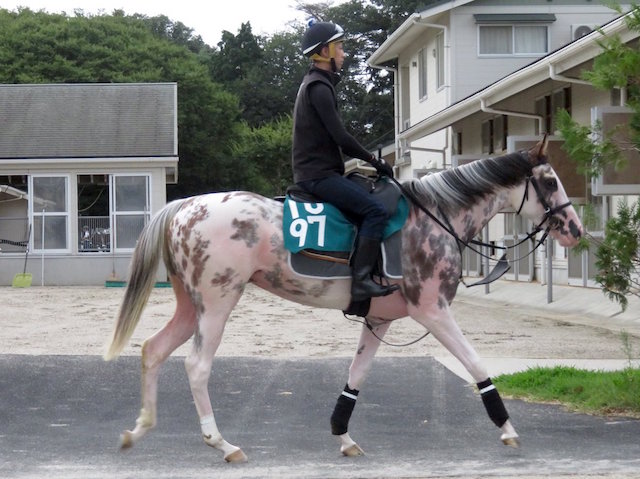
(322, 227)
(315, 268)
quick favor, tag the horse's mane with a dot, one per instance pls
(461, 187)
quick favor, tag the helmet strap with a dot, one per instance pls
(316, 57)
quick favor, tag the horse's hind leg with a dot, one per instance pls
(360, 366)
(441, 324)
(155, 351)
(211, 321)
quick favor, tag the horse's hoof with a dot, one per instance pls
(353, 451)
(126, 440)
(236, 456)
(510, 440)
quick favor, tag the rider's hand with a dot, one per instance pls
(382, 167)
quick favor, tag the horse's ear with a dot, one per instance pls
(538, 154)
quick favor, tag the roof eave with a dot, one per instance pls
(567, 57)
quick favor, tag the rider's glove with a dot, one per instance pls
(381, 166)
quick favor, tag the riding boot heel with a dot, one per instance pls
(363, 261)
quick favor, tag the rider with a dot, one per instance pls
(320, 138)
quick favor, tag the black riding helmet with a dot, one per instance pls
(317, 36)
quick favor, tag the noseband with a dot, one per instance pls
(549, 212)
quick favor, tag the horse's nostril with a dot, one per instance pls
(576, 231)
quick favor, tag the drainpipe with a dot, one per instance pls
(487, 109)
(557, 77)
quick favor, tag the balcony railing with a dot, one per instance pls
(95, 234)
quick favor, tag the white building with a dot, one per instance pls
(482, 78)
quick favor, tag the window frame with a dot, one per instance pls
(34, 213)
(513, 27)
(440, 61)
(116, 214)
(423, 74)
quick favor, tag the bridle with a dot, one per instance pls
(503, 264)
(549, 212)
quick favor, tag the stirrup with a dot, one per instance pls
(381, 290)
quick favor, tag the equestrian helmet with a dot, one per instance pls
(318, 35)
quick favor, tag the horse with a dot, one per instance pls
(214, 244)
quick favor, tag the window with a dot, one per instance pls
(94, 226)
(440, 60)
(130, 196)
(487, 134)
(422, 72)
(548, 106)
(112, 210)
(457, 142)
(513, 40)
(500, 133)
(14, 213)
(494, 135)
(50, 207)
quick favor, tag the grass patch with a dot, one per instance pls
(594, 392)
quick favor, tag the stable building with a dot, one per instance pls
(83, 167)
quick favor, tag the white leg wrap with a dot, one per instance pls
(210, 430)
(213, 438)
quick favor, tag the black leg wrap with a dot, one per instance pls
(493, 403)
(342, 411)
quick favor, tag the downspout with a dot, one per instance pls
(487, 109)
(557, 77)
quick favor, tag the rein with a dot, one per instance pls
(503, 263)
(369, 326)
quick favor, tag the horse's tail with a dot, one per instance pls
(142, 274)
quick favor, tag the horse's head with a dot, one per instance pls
(545, 201)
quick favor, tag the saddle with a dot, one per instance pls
(320, 238)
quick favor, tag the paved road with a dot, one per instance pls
(60, 417)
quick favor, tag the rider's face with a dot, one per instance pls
(339, 46)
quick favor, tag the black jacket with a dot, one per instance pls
(319, 137)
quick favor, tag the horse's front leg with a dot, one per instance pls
(440, 322)
(360, 366)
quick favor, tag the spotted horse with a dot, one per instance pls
(214, 245)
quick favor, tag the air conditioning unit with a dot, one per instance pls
(580, 30)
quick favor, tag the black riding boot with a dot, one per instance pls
(362, 263)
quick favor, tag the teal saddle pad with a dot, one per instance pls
(322, 227)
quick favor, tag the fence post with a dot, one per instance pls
(549, 270)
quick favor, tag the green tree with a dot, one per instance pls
(618, 256)
(263, 157)
(37, 47)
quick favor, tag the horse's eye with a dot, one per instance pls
(551, 183)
